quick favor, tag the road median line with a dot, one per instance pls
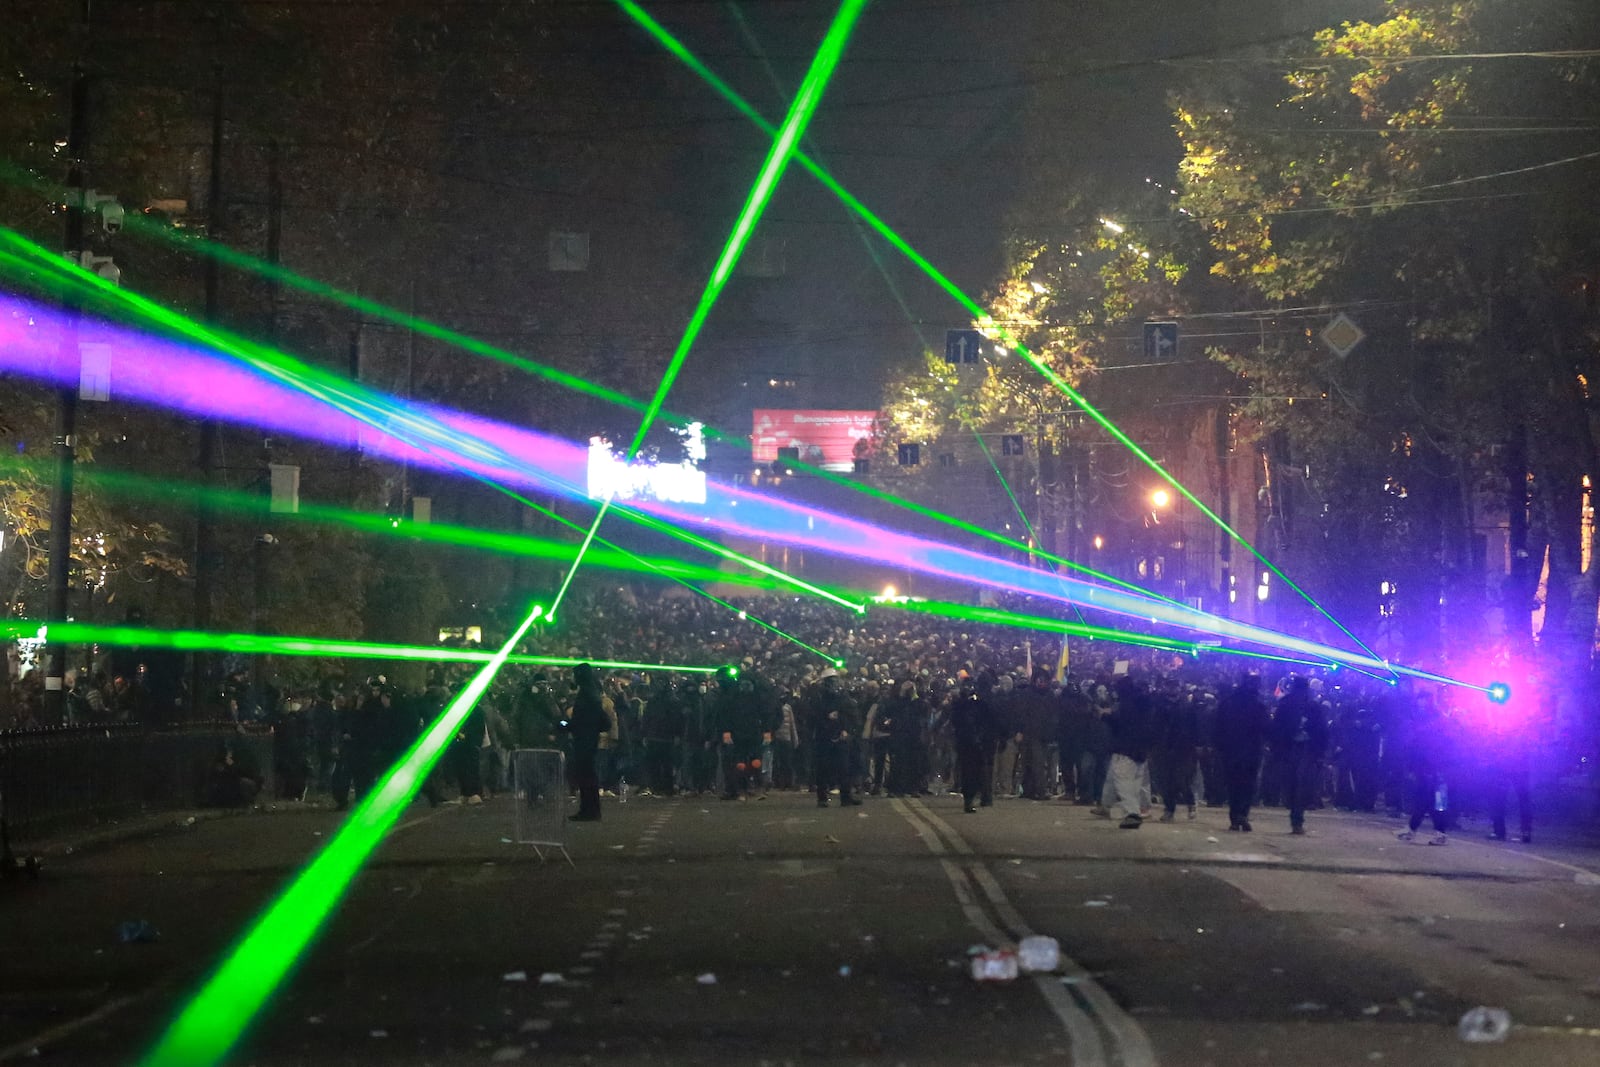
(1084, 1033)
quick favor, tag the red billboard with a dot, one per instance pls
(832, 440)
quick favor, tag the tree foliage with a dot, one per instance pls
(1418, 170)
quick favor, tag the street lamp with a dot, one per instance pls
(1160, 498)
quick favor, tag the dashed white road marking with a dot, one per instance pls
(1130, 1047)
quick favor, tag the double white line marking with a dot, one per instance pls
(1099, 1032)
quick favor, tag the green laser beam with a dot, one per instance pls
(217, 1016)
(336, 399)
(783, 147)
(1018, 620)
(610, 557)
(747, 32)
(1006, 485)
(590, 536)
(577, 560)
(678, 49)
(646, 519)
(192, 243)
(1204, 647)
(717, 576)
(641, 517)
(771, 172)
(354, 401)
(861, 232)
(298, 381)
(745, 616)
(1000, 617)
(82, 633)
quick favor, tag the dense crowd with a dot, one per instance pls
(922, 704)
(909, 703)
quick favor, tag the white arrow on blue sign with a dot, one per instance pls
(1160, 341)
(962, 346)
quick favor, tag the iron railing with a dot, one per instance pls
(60, 778)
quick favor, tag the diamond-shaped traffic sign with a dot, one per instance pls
(1342, 335)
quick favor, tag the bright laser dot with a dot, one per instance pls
(1499, 692)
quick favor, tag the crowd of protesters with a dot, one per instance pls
(921, 704)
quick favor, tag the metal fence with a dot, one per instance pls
(539, 784)
(64, 778)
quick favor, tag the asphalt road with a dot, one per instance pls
(831, 936)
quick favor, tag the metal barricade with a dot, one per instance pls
(539, 786)
(65, 778)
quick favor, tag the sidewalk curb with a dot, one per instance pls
(137, 828)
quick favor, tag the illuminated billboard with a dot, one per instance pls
(613, 477)
(832, 440)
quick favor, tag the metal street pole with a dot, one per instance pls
(1224, 441)
(205, 531)
(64, 439)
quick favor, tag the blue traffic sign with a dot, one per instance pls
(1160, 342)
(962, 346)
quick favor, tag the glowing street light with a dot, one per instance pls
(1160, 498)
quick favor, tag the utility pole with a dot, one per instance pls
(274, 235)
(65, 437)
(354, 356)
(205, 532)
(1224, 442)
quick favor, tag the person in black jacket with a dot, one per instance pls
(739, 727)
(1241, 728)
(1179, 733)
(1299, 741)
(1132, 736)
(906, 716)
(663, 727)
(586, 723)
(974, 729)
(1036, 714)
(833, 730)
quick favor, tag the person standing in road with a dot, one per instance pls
(904, 715)
(785, 740)
(1132, 729)
(1036, 717)
(663, 726)
(1179, 733)
(1241, 729)
(974, 729)
(1427, 756)
(1299, 740)
(831, 740)
(586, 724)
